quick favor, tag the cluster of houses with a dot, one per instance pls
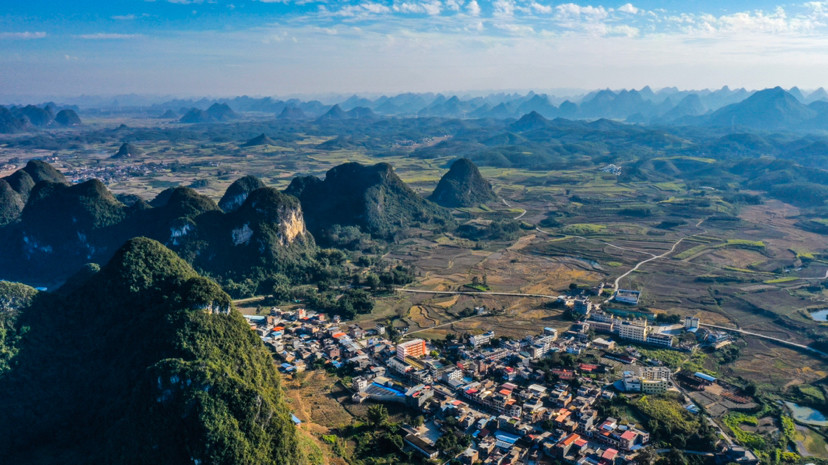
(113, 173)
(492, 392)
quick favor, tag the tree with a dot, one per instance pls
(418, 421)
(675, 457)
(646, 456)
(372, 281)
(377, 415)
(280, 287)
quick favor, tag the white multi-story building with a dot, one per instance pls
(649, 380)
(691, 323)
(453, 375)
(635, 330)
(481, 339)
(660, 339)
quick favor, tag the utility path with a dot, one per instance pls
(770, 338)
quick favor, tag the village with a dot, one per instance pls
(531, 401)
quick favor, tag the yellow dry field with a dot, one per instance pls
(310, 399)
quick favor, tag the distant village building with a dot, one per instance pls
(635, 330)
(604, 344)
(627, 296)
(481, 339)
(648, 380)
(421, 447)
(414, 348)
(691, 323)
(582, 306)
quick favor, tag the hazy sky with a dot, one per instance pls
(281, 47)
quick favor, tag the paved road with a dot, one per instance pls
(817, 279)
(249, 300)
(691, 452)
(770, 338)
(656, 257)
(440, 325)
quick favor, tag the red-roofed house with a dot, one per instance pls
(628, 439)
(563, 448)
(609, 454)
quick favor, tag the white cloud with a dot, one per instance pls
(363, 9)
(476, 26)
(22, 35)
(108, 36)
(431, 8)
(628, 8)
(453, 5)
(538, 8)
(571, 10)
(473, 8)
(504, 8)
(124, 17)
(623, 30)
(516, 29)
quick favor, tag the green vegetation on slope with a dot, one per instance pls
(152, 366)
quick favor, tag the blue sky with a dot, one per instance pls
(285, 47)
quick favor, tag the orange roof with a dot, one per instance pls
(337, 335)
(628, 436)
(580, 442)
(562, 416)
(570, 439)
(609, 454)
(505, 392)
(279, 328)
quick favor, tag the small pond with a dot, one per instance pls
(820, 315)
(807, 415)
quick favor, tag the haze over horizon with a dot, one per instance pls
(268, 47)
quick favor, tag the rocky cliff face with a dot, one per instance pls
(371, 197)
(63, 227)
(237, 193)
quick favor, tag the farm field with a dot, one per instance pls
(743, 265)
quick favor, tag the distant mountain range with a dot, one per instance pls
(21, 118)
(665, 107)
(642, 106)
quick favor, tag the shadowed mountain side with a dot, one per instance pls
(153, 366)
(462, 186)
(371, 197)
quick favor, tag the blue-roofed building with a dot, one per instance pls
(704, 376)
